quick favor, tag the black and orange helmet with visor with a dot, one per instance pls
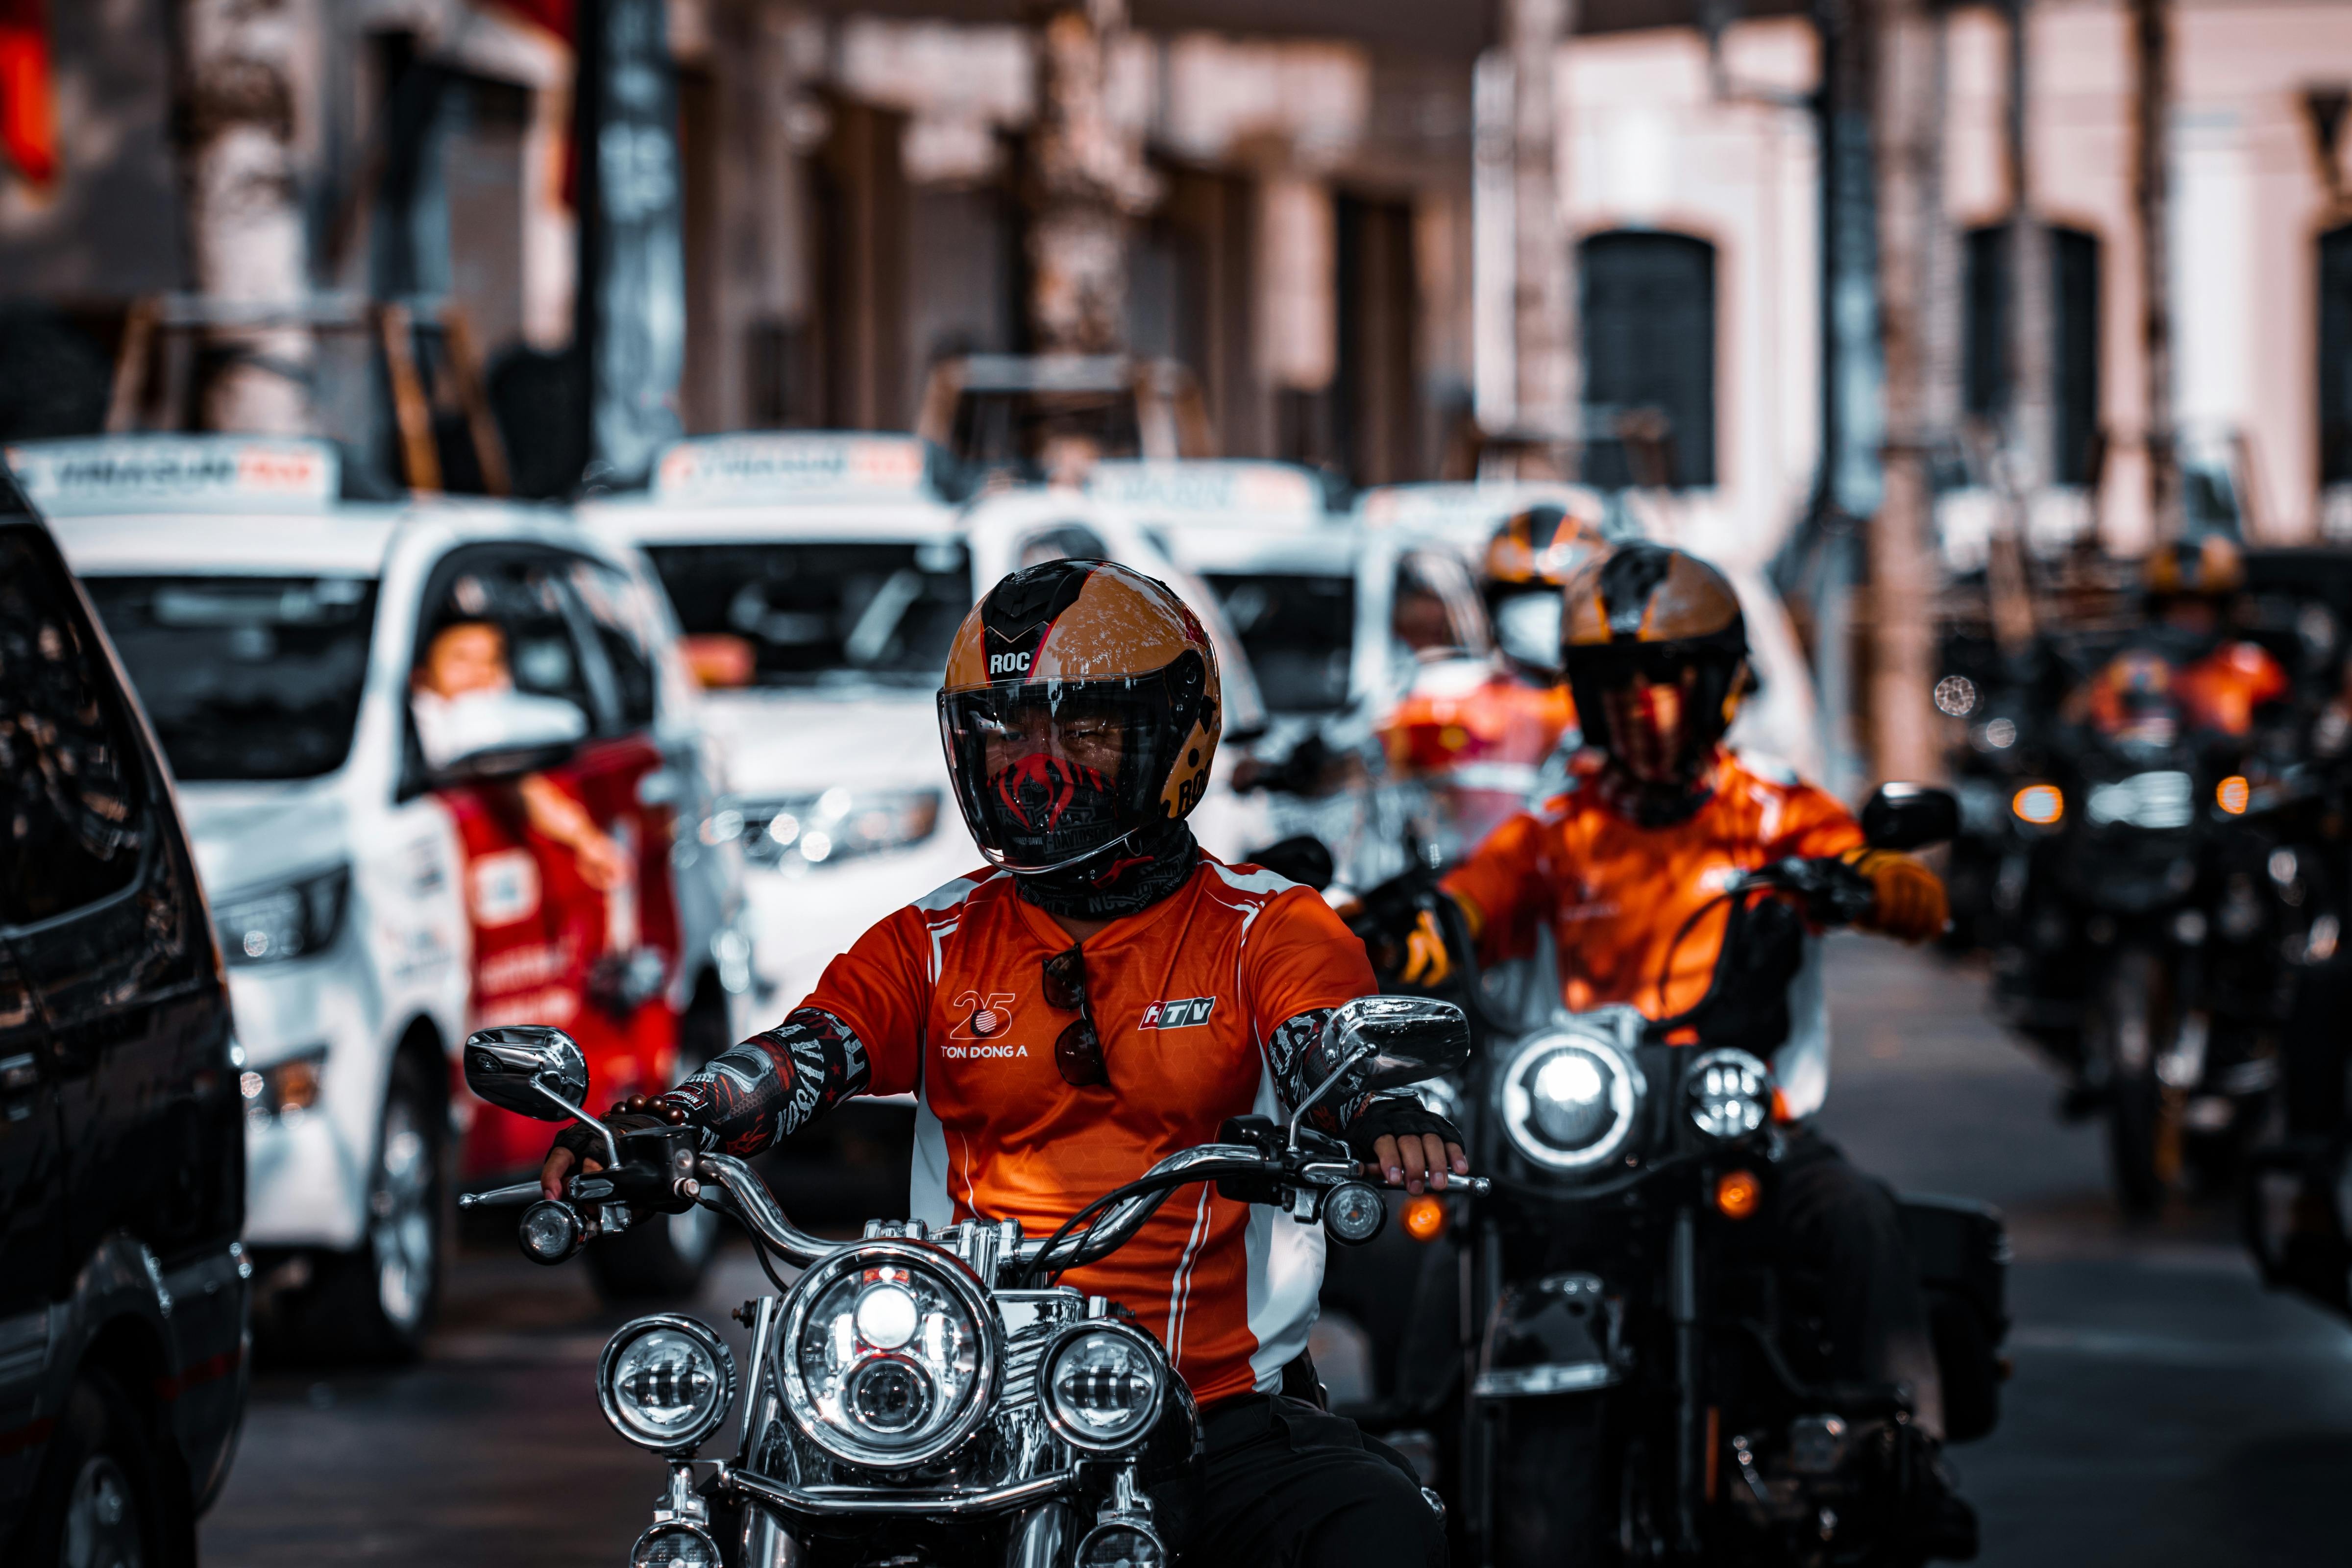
(1081, 706)
(1655, 650)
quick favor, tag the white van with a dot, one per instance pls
(374, 908)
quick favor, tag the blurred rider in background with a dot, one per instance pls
(1627, 866)
(2219, 680)
(1478, 738)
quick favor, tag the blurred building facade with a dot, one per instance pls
(1358, 223)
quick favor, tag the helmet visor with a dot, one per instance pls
(1050, 771)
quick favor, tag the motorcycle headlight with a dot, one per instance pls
(1727, 1093)
(795, 832)
(1102, 1387)
(2154, 801)
(889, 1355)
(1569, 1100)
(679, 1545)
(268, 924)
(665, 1382)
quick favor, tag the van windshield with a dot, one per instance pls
(1298, 628)
(826, 613)
(243, 678)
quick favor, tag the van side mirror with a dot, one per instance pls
(496, 734)
(1910, 816)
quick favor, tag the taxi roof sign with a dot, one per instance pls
(104, 474)
(1212, 485)
(796, 466)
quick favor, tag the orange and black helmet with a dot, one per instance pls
(1081, 705)
(2210, 567)
(1532, 557)
(1645, 613)
(1541, 546)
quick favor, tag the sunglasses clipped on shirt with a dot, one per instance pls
(1079, 1052)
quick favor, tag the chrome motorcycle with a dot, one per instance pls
(928, 1396)
(1627, 1369)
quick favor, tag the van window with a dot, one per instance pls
(846, 613)
(73, 798)
(522, 601)
(245, 677)
(625, 629)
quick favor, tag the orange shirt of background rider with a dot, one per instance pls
(1618, 895)
(471, 657)
(2221, 690)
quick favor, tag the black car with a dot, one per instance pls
(123, 1289)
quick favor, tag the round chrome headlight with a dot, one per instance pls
(889, 1355)
(1569, 1100)
(1727, 1093)
(665, 1382)
(1122, 1544)
(679, 1545)
(1103, 1384)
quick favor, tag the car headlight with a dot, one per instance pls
(889, 1355)
(665, 1382)
(267, 924)
(1103, 1387)
(1569, 1100)
(285, 1088)
(795, 832)
(1727, 1093)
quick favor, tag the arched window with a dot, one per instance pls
(2335, 356)
(1648, 318)
(2074, 345)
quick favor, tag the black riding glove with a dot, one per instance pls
(1396, 1116)
(583, 1145)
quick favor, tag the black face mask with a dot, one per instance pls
(1125, 878)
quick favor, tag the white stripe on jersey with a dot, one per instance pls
(1180, 1284)
(1285, 1276)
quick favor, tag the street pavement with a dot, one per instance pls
(2164, 1409)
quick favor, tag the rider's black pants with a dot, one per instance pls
(1287, 1486)
(1844, 1226)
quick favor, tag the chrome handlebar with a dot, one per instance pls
(758, 1209)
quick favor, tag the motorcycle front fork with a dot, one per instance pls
(1482, 1287)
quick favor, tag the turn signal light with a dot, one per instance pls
(2040, 805)
(1738, 1194)
(1424, 1218)
(2232, 793)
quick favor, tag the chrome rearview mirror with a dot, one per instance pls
(535, 1072)
(1385, 1042)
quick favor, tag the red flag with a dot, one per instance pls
(28, 120)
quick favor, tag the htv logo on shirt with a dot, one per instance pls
(1178, 1014)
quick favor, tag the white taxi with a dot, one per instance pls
(539, 852)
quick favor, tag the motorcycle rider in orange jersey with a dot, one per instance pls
(1657, 819)
(2219, 681)
(1100, 997)
(1478, 743)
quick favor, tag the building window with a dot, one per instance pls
(2335, 356)
(1648, 317)
(2073, 347)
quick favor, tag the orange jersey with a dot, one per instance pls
(946, 997)
(2222, 690)
(1616, 894)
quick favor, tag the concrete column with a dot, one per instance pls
(1909, 145)
(241, 65)
(2152, 205)
(760, 279)
(2031, 409)
(1088, 182)
(1543, 299)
